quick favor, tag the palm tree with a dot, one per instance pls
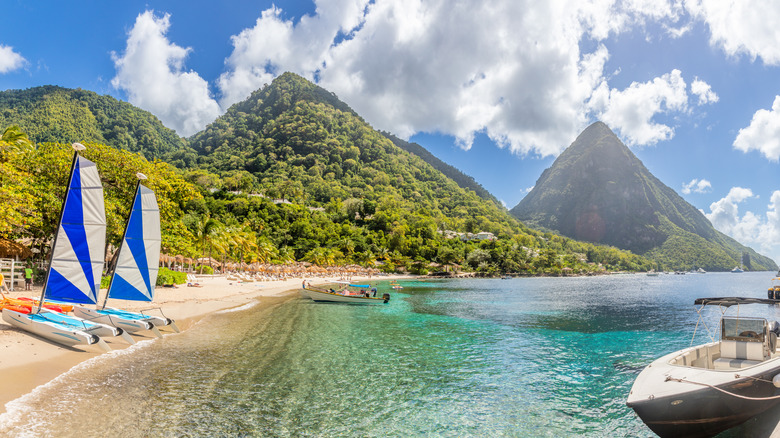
(365, 258)
(206, 235)
(265, 250)
(14, 141)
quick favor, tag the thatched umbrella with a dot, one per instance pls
(11, 249)
(165, 259)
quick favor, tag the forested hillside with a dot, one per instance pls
(450, 172)
(56, 114)
(291, 141)
(292, 173)
(34, 180)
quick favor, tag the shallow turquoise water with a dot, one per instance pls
(521, 358)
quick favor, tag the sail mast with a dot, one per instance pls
(76, 148)
(140, 177)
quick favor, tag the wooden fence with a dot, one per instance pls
(13, 273)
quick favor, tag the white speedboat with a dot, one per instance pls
(348, 293)
(703, 390)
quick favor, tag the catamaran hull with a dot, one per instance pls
(338, 298)
(127, 324)
(160, 321)
(672, 409)
(51, 331)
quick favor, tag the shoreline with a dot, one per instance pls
(28, 361)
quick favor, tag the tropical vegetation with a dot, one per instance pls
(290, 174)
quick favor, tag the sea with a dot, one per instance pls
(521, 357)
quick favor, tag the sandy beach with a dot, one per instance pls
(27, 361)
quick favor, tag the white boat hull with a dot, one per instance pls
(123, 320)
(335, 297)
(59, 333)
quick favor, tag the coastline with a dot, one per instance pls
(28, 361)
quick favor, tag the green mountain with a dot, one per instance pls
(451, 172)
(295, 140)
(597, 190)
(298, 142)
(56, 114)
(291, 173)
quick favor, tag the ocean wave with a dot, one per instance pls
(240, 308)
(18, 413)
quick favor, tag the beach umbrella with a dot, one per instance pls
(11, 249)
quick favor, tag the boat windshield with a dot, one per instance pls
(743, 329)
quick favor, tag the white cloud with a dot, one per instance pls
(274, 46)
(151, 70)
(763, 133)
(724, 214)
(749, 229)
(412, 66)
(742, 27)
(10, 60)
(631, 110)
(697, 186)
(704, 91)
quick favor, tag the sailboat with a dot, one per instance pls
(75, 264)
(135, 274)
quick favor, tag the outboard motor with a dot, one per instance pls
(386, 297)
(774, 327)
(771, 293)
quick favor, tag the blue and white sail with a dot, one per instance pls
(77, 256)
(139, 255)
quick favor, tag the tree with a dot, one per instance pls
(206, 235)
(14, 141)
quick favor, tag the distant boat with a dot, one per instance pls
(706, 389)
(737, 270)
(701, 271)
(652, 273)
(75, 264)
(135, 274)
(364, 294)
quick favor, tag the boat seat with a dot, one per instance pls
(739, 354)
(733, 364)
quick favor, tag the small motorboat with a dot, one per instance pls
(347, 293)
(703, 390)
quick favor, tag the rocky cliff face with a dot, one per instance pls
(597, 190)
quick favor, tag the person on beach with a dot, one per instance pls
(28, 273)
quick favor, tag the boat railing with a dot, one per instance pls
(143, 312)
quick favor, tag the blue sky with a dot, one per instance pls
(497, 89)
